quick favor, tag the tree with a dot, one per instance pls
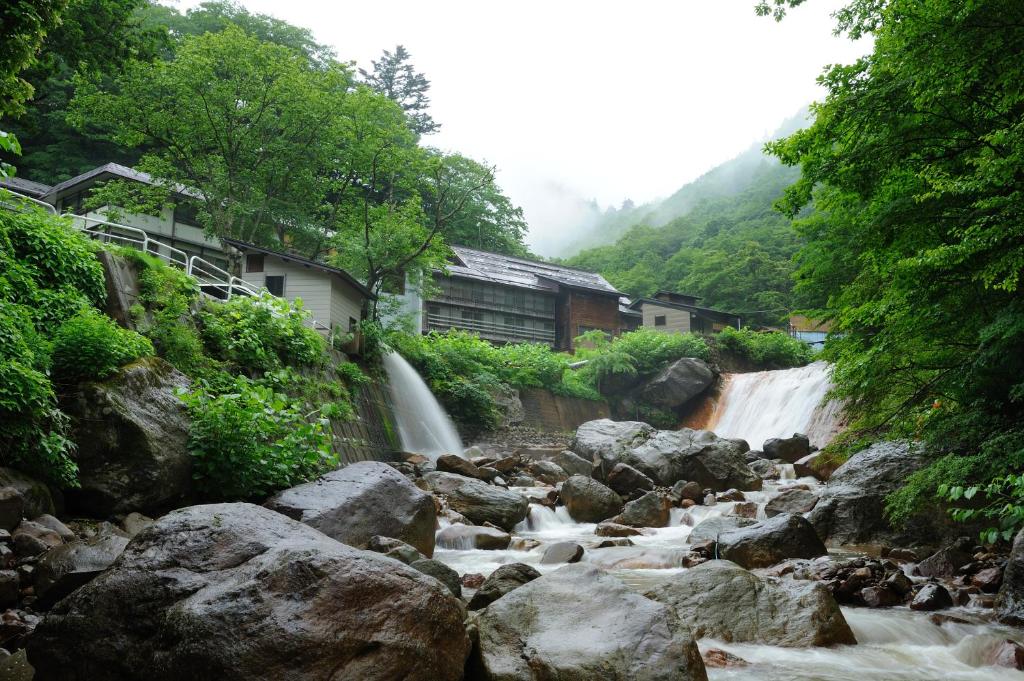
(394, 77)
(238, 120)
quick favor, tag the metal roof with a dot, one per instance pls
(27, 187)
(123, 172)
(639, 302)
(522, 273)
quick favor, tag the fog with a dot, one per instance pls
(581, 100)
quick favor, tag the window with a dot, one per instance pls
(659, 320)
(254, 263)
(275, 284)
(352, 323)
(186, 214)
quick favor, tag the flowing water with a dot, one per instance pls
(423, 425)
(765, 404)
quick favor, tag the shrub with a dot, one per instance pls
(91, 345)
(650, 350)
(772, 350)
(253, 441)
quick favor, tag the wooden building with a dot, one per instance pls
(679, 313)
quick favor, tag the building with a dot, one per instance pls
(810, 331)
(506, 299)
(678, 313)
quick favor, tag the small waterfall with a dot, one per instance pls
(765, 404)
(423, 425)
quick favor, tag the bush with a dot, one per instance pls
(92, 346)
(772, 350)
(650, 350)
(253, 441)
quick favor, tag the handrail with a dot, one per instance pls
(25, 197)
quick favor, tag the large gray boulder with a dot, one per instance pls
(676, 384)
(850, 508)
(588, 501)
(711, 528)
(238, 592)
(723, 601)
(789, 449)
(131, 432)
(666, 456)
(579, 623)
(573, 464)
(771, 541)
(478, 501)
(1010, 599)
(361, 501)
(650, 510)
(67, 567)
(793, 500)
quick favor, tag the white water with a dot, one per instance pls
(423, 425)
(765, 404)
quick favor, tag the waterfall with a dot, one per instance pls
(423, 425)
(765, 404)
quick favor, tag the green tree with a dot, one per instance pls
(24, 25)
(394, 76)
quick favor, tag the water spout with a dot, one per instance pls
(423, 425)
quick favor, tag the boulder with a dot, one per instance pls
(547, 472)
(65, 568)
(238, 592)
(132, 437)
(562, 552)
(12, 507)
(684, 490)
(721, 600)
(453, 463)
(440, 572)
(580, 623)
(1009, 604)
(500, 582)
(745, 509)
(361, 501)
(606, 440)
(789, 449)
(947, 560)
(932, 597)
(478, 501)
(588, 501)
(466, 537)
(1009, 654)
(793, 500)
(573, 464)
(35, 496)
(764, 469)
(880, 597)
(10, 589)
(650, 510)
(676, 384)
(394, 548)
(851, 506)
(711, 528)
(988, 579)
(31, 539)
(51, 523)
(771, 541)
(610, 529)
(625, 480)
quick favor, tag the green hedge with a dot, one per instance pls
(92, 346)
(770, 350)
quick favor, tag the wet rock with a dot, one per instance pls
(394, 548)
(789, 449)
(527, 634)
(772, 541)
(880, 597)
(764, 469)
(899, 583)
(932, 597)
(588, 501)
(619, 541)
(478, 501)
(685, 490)
(791, 501)
(730, 495)
(625, 480)
(605, 440)
(62, 530)
(440, 572)
(507, 464)
(12, 505)
(36, 497)
(988, 579)
(562, 552)
(10, 588)
(1008, 654)
(453, 463)
(1009, 603)
(361, 501)
(32, 539)
(238, 592)
(65, 568)
(721, 600)
(650, 510)
(745, 509)
(902, 555)
(709, 529)
(716, 658)
(676, 384)
(502, 581)
(851, 507)
(134, 523)
(573, 464)
(547, 472)
(610, 529)
(465, 537)
(132, 437)
(946, 561)
(938, 619)
(523, 481)
(523, 544)
(472, 580)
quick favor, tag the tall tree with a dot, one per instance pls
(394, 76)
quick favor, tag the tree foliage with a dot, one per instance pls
(394, 76)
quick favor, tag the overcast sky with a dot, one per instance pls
(590, 99)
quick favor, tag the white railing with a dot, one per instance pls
(214, 282)
(506, 332)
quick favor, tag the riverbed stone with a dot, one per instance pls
(685, 490)
(789, 449)
(711, 528)
(721, 600)
(65, 568)
(676, 384)
(440, 572)
(946, 561)
(394, 548)
(650, 510)
(573, 464)
(466, 537)
(547, 472)
(793, 500)
(610, 529)
(1009, 604)
(626, 480)
(562, 552)
(1009, 654)
(478, 501)
(238, 592)
(771, 541)
(360, 501)
(36, 496)
(604, 440)
(12, 505)
(588, 501)
(32, 539)
(581, 623)
(932, 597)
(453, 463)
(502, 581)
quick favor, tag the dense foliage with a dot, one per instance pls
(772, 350)
(915, 164)
(91, 345)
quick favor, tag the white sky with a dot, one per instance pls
(590, 99)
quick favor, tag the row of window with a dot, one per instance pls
(491, 295)
(487, 321)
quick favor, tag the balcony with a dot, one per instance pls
(505, 333)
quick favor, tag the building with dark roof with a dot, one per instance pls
(679, 313)
(35, 190)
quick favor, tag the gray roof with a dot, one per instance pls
(522, 273)
(26, 187)
(123, 172)
(640, 302)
